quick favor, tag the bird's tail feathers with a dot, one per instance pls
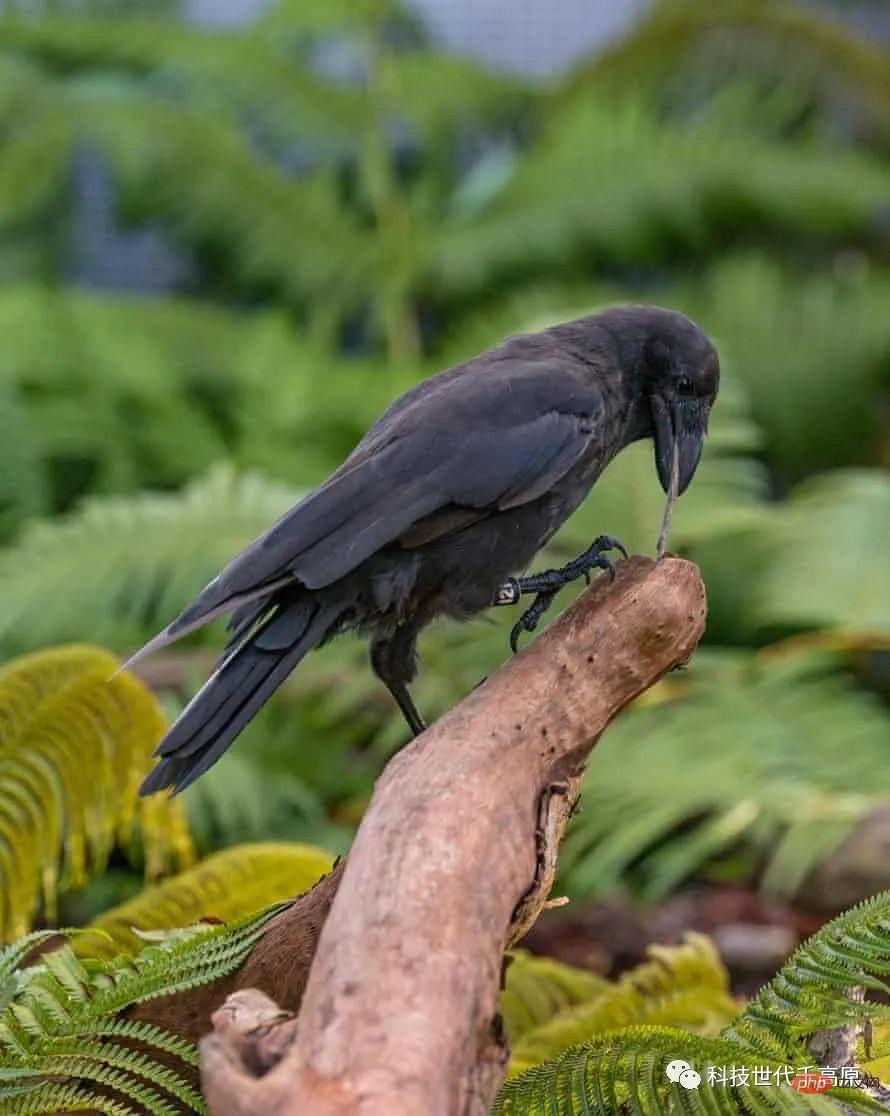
(196, 616)
(242, 683)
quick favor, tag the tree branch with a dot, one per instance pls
(452, 862)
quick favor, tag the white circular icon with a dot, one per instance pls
(690, 1079)
(675, 1068)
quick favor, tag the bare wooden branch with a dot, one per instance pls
(453, 861)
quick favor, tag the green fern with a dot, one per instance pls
(226, 886)
(74, 746)
(773, 755)
(64, 1040)
(813, 991)
(710, 46)
(538, 988)
(138, 559)
(684, 985)
(847, 511)
(625, 1071)
(694, 185)
(612, 1070)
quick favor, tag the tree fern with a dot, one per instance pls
(694, 186)
(225, 886)
(64, 1039)
(710, 46)
(75, 745)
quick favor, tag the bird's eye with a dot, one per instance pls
(685, 386)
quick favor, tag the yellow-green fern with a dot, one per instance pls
(228, 885)
(74, 745)
(683, 986)
(538, 988)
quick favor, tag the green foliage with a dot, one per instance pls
(22, 474)
(226, 886)
(625, 1070)
(120, 567)
(610, 1068)
(261, 794)
(814, 989)
(773, 754)
(64, 1044)
(684, 986)
(685, 50)
(75, 744)
(538, 988)
(831, 524)
(812, 352)
(696, 187)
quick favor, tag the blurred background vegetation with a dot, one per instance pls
(224, 250)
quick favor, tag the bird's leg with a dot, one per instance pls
(393, 660)
(405, 702)
(546, 585)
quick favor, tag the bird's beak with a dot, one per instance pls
(679, 427)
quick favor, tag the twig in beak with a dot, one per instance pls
(669, 503)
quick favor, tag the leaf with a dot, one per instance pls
(828, 560)
(65, 1046)
(685, 986)
(75, 745)
(225, 886)
(778, 758)
(538, 988)
(124, 565)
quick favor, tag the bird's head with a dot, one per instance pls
(681, 374)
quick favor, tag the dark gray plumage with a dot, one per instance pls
(453, 490)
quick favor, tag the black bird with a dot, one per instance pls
(451, 492)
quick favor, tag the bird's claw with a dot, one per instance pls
(528, 621)
(547, 584)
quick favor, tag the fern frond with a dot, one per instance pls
(538, 988)
(685, 985)
(694, 185)
(801, 586)
(75, 744)
(226, 886)
(135, 560)
(786, 758)
(625, 1071)
(63, 1041)
(813, 990)
(798, 44)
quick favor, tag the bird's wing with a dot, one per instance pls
(485, 442)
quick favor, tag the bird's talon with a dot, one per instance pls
(608, 543)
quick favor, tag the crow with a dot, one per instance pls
(447, 498)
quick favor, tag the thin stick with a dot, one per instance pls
(669, 504)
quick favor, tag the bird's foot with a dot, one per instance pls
(547, 584)
(528, 621)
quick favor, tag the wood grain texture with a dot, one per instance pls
(452, 862)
